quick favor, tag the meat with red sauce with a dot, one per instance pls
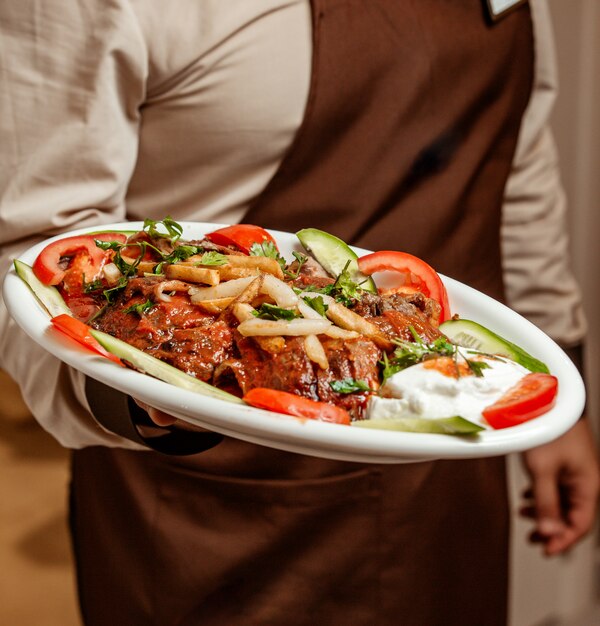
(173, 330)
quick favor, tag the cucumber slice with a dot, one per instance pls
(157, 368)
(49, 297)
(455, 425)
(333, 254)
(469, 334)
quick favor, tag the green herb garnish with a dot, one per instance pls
(317, 303)
(301, 259)
(268, 249)
(213, 258)
(128, 269)
(349, 385)
(95, 285)
(477, 366)
(409, 353)
(109, 294)
(173, 228)
(141, 308)
(268, 311)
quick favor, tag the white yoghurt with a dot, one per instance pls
(420, 391)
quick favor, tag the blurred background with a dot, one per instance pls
(36, 577)
(566, 591)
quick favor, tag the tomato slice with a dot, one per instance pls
(292, 404)
(413, 273)
(243, 236)
(533, 395)
(80, 332)
(86, 258)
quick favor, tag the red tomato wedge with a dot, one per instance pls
(86, 258)
(80, 332)
(413, 273)
(291, 404)
(242, 236)
(533, 395)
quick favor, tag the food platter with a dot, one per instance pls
(308, 436)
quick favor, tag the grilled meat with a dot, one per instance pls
(156, 315)
(175, 331)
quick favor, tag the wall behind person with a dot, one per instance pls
(576, 123)
(566, 590)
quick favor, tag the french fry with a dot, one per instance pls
(252, 291)
(242, 311)
(238, 266)
(260, 263)
(228, 272)
(347, 319)
(218, 305)
(192, 274)
(145, 267)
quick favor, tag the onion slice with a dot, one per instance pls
(269, 328)
(315, 351)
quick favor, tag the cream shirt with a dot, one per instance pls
(125, 109)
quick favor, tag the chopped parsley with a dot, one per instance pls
(213, 258)
(95, 285)
(129, 269)
(317, 303)
(268, 311)
(141, 308)
(173, 228)
(344, 290)
(268, 249)
(109, 294)
(349, 385)
(409, 353)
(301, 259)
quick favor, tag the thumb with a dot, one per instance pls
(160, 418)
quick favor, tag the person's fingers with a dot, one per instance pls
(527, 493)
(535, 537)
(160, 418)
(548, 514)
(528, 511)
(579, 509)
(566, 483)
(576, 513)
(561, 542)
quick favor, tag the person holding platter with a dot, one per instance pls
(420, 127)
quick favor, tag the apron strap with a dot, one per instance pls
(118, 413)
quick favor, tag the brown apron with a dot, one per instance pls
(407, 142)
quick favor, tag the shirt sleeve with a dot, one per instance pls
(72, 78)
(539, 282)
